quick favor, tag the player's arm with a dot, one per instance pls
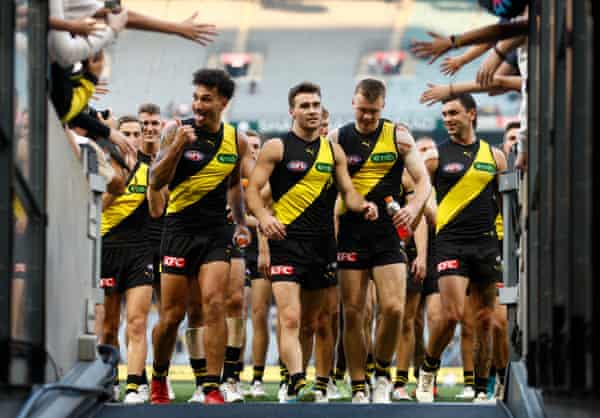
(270, 155)
(353, 199)
(157, 201)
(116, 186)
(501, 167)
(163, 168)
(413, 162)
(236, 193)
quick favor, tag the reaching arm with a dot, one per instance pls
(451, 65)
(197, 32)
(163, 168)
(500, 84)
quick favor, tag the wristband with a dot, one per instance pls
(453, 42)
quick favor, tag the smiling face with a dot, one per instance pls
(208, 106)
(511, 137)
(306, 111)
(133, 133)
(254, 145)
(367, 113)
(458, 120)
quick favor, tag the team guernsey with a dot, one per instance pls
(376, 171)
(195, 224)
(303, 190)
(124, 235)
(466, 241)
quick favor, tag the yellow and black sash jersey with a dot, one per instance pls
(125, 221)
(374, 166)
(302, 187)
(464, 181)
(155, 225)
(198, 191)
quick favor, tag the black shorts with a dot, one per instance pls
(479, 261)
(183, 254)
(310, 262)
(124, 268)
(365, 246)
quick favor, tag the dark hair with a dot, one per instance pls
(304, 87)
(324, 112)
(371, 88)
(251, 132)
(150, 108)
(466, 100)
(218, 79)
(512, 125)
(127, 119)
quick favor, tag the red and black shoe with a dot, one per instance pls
(159, 392)
(214, 397)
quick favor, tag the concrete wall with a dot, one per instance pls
(69, 250)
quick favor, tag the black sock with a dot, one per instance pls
(492, 371)
(199, 368)
(339, 373)
(382, 369)
(133, 382)
(239, 369)
(332, 376)
(481, 384)
(144, 377)
(501, 375)
(210, 383)
(370, 367)
(401, 378)
(259, 372)
(359, 386)
(284, 375)
(232, 355)
(160, 372)
(416, 371)
(116, 379)
(469, 378)
(321, 384)
(297, 382)
(431, 365)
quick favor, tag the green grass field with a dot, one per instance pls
(184, 391)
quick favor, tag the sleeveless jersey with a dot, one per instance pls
(374, 166)
(464, 181)
(198, 191)
(125, 221)
(302, 187)
(155, 225)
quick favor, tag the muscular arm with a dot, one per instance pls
(163, 168)
(236, 192)
(500, 83)
(201, 33)
(270, 155)
(501, 167)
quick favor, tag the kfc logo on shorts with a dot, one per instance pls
(178, 262)
(354, 159)
(20, 268)
(193, 155)
(351, 257)
(107, 282)
(447, 265)
(282, 270)
(297, 166)
(453, 167)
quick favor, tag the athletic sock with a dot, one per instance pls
(401, 378)
(332, 376)
(297, 382)
(359, 386)
(321, 384)
(144, 377)
(481, 384)
(382, 369)
(501, 373)
(370, 366)
(239, 369)
(232, 355)
(160, 372)
(210, 383)
(258, 374)
(431, 364)
(133, 383)
(469, 378)
(284, 375)
(199, 368)
(339, 373)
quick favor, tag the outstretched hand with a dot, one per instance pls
(434, 48)
(201, 33)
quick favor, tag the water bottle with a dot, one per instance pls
(392, 208)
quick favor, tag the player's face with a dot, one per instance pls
(151, 126)
(367, 113)
(457, 120)
(307, 111)
(324, 126)
(511, 137)
(254, 145)
(208, 105)
(133, 133)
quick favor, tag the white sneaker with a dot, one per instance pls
(400, 394)
(483, 398)
(116, 393)
(282, 393)
(499, 391)
(360, 397)
(230, 392)
(171, 391)
(424, 392)
(321, 397)
(333, 391)
(197, 396)
(257, 390)
(144, 391)
(467, 394)
(133, 398)
(382, 390)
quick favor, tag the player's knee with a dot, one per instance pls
(408, 326)
(500, 324)
(391, 311)
(453, 313)
(259, 314)
(213, 310)
(235, 303)
(353, 317)
(136, 327)
(485, 319)
(194, 314)
(289, 319)
(324, 326)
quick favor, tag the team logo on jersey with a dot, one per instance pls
(193, 155)
(324, 167)
(383, 157)
(453, 167)
(227, 158)
(354, 159)
(178, 262)
(297, 165)
(137, 188)
(351, 257)
(447, 265)
(366, 144)
(310, 151)
(282, 270)
(490, 168)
